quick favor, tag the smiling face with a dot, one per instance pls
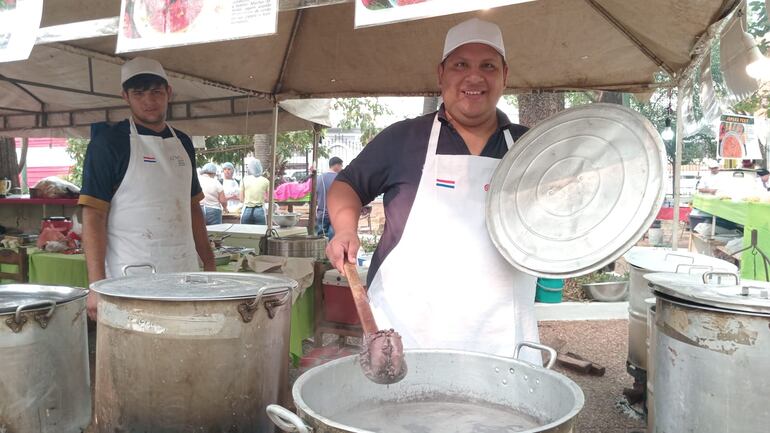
(472, 79)
(149, 106)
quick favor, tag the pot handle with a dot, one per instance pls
(708, 275)
(691, 259)
(541, 347)
(125, 268)
(17, 321)
(286, 420)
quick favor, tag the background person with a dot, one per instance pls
(214, 202)
(763, 179)
(254, 188)
(433, 172)
(231, 187)
(323, 224)
(140, 190)
(709, 183)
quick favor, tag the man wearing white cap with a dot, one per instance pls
(140, 190)
(436, 277)
(709, 183)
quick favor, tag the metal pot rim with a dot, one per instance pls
(570, 385)
(57, 294)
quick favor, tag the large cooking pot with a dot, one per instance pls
(444, 391)
(644, 260)
(191, 352)
(712, 347)
(44, 380)
(297, 246)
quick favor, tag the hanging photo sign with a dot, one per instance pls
(374, 12)
(150, 24)
(19, 23)
(737, 139)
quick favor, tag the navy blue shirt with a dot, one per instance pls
(107, 160)
(391, 164)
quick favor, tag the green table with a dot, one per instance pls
(752, 216)
(70, 270)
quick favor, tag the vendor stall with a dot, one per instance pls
(752, 216)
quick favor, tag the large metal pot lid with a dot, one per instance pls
(666, 260)
(576, 191)
(193, 286)
(12, 296)
(722, 290)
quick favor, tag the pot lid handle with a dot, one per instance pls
(690, 258)
(708, 276)
(124, 269)
(541, 347)
(690, 267)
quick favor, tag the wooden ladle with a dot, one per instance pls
(382, 358)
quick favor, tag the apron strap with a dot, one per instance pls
(508, 138)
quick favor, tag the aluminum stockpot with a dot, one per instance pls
(191, 352)
(44, 376)
(297, 246)
(712, 346)
(444, 391)
(644, 260)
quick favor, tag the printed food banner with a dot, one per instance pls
(149, 24)
(19, 23)
(374, 12)
(737, 139)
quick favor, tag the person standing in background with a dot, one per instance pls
(214, 202)
(231, 187)
(763, 179)
(323, 224)
(254, 188)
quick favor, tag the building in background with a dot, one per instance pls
(45, 157)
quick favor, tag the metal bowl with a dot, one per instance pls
(286, 219)
(222, 259)
(610, 291)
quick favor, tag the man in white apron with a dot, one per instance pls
(436, 277)
(140, 194)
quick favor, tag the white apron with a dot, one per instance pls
(445, 285)
(149, 219)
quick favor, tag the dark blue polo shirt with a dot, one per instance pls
(107, 159)
(391, 164)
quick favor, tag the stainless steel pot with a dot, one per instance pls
(444, 391)
(297, 246)
(643, 261)
(712, 347)
(44, 378)
(203, 352)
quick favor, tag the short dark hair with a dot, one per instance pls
(144, 82)
(334, 161)
(762, 172)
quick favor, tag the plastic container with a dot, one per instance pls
(549, 290)
(338, 305)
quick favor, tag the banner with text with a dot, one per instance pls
(19, 23)
(737, 138)
(374, 12)
(150, 24)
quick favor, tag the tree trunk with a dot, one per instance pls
(9, 165)
(263, 145)
(430, 104)
(536, 107)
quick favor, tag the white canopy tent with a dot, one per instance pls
(71, 77)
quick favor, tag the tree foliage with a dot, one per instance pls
(362, 114)
(76, 149)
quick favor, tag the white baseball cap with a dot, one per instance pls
(141, 65)
(472, 31)
(712, 164)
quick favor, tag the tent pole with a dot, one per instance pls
(311, 221)
(677, 166)
(271, 199)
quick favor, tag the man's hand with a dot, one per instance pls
(343, 245)
(91, 301)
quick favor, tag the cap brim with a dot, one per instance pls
(475, 41)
